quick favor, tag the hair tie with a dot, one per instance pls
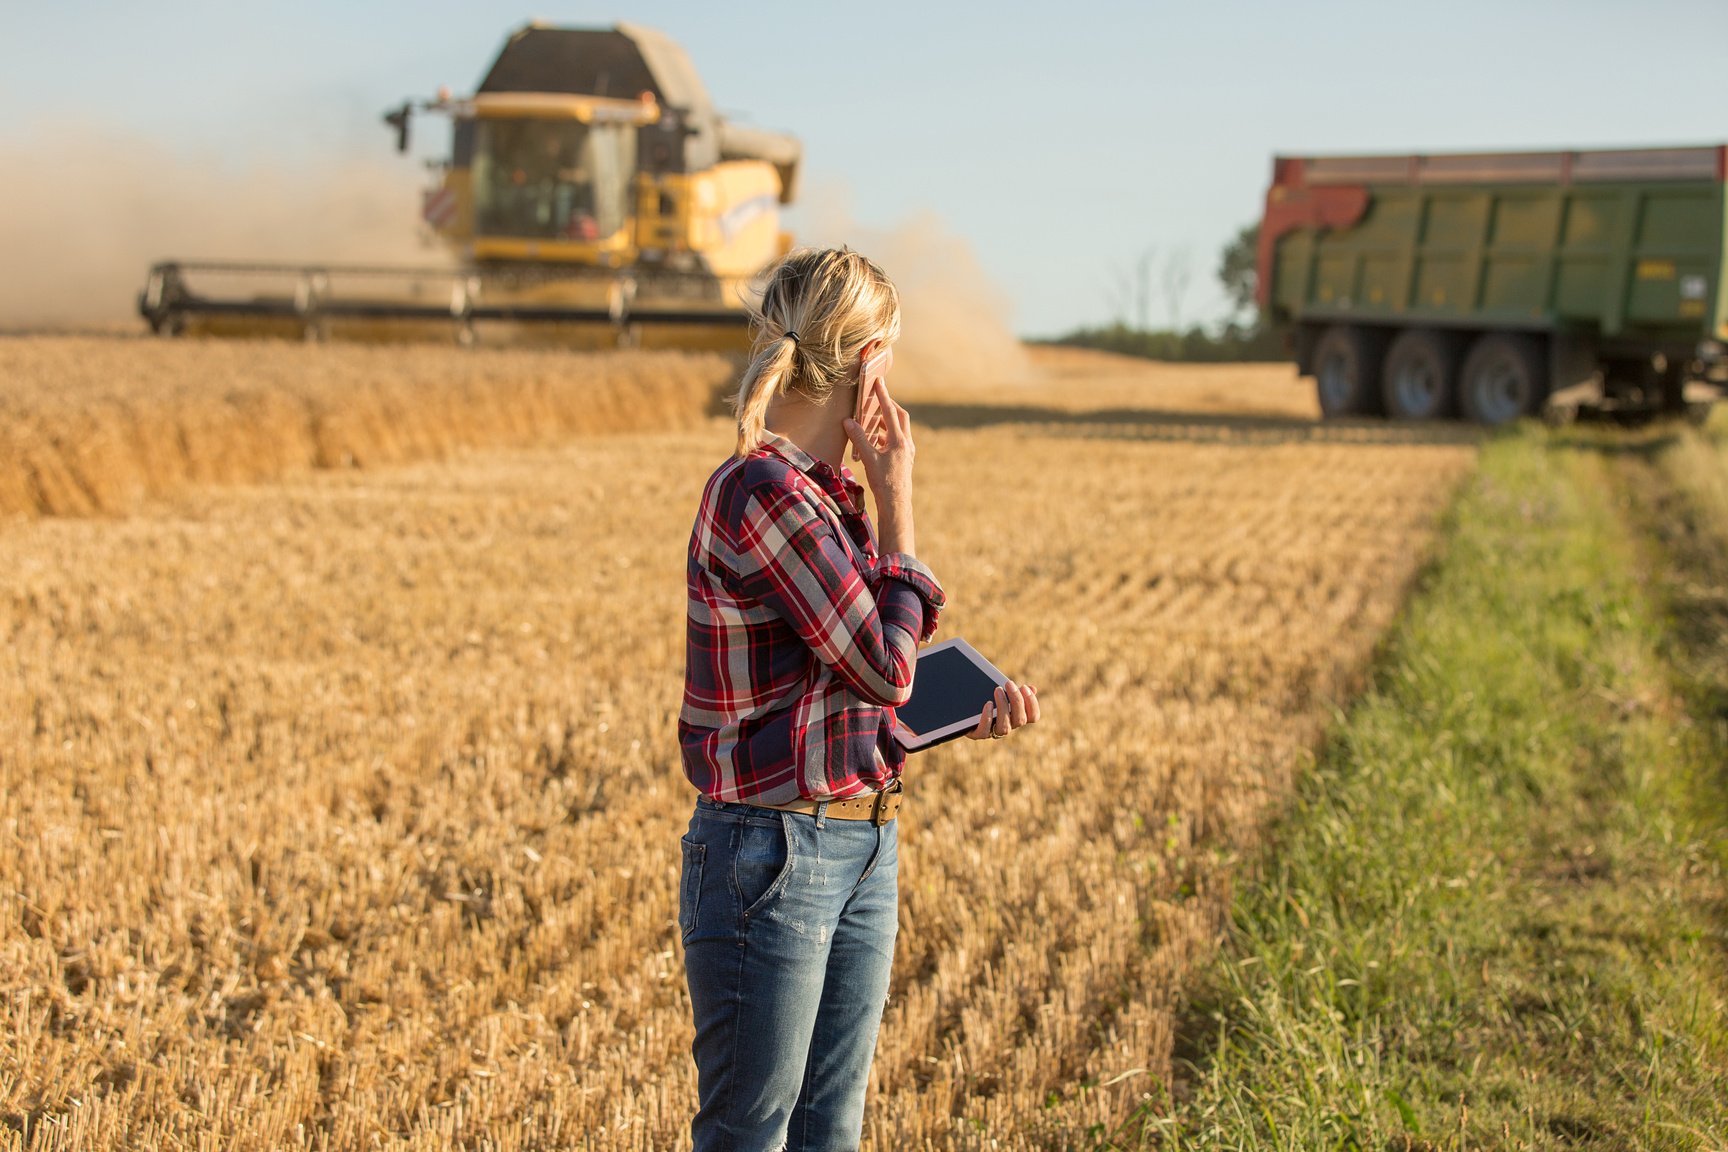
(791, 335)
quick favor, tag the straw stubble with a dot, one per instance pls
(344, 812)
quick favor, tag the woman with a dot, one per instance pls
(803, 634)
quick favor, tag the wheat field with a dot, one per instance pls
(98, 426)
(342, 811)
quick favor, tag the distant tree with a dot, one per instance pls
(1236, 269)
(1129, 292)
(1176, 276)
(1120, 292)
(1143, 284)
(1133, 285)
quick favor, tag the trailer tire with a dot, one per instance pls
(1420, 377)
(1503, 379)
(1671, 385)
(1346, 372)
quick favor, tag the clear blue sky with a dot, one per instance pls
(1060, 140)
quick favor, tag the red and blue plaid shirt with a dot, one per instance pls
(802, 639)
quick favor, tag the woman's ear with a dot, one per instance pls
(870, 349)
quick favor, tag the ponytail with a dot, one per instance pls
(769, 375)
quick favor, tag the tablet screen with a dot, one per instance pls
(948, 687)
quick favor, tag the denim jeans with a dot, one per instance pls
(788, 924)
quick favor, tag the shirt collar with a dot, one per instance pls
(845, 490)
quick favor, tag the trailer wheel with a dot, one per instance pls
(1671, 386)
(1419, 380)
(1502, 380)
(1346, 371)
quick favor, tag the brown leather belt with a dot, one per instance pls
(876, 807)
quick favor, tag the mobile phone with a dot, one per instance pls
(873, 369)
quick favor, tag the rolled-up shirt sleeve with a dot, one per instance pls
(911, 571)
(865, 626)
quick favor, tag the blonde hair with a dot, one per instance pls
(819, 309)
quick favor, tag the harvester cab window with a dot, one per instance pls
(552, 179)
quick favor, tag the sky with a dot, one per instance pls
(1061, 142)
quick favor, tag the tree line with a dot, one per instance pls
(1242, 336)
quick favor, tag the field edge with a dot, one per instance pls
(1485, 921)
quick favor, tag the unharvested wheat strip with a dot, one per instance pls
(98, 425)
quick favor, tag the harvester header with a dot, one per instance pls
(593, 195)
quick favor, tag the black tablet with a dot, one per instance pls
(950, 687)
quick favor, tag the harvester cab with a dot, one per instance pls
(592, 196)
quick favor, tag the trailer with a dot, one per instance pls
(1491, 286)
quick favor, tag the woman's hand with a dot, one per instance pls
(1014, 706)
(886, 453)
(885, 449)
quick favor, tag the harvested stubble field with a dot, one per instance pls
(343, 811)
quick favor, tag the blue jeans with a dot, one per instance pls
(788, 924)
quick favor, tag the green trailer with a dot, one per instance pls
(1490, 285)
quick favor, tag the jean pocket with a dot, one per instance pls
(690, 886)
(762, 864)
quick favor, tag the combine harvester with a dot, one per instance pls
(593, 198)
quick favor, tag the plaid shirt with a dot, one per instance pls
(802, 639)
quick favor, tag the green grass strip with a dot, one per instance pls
(1494, 917)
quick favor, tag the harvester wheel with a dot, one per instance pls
(1346, 371)
(1419, 381)
(1504, 378)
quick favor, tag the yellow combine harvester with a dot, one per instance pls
(593, 197)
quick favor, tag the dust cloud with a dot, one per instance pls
(956, 327)
(87, 211)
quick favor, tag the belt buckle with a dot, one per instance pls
(876, 809)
